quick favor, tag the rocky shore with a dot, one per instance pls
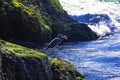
(21, 63)
(36, 21)
(39, 21)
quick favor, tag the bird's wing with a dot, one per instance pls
(54, 43)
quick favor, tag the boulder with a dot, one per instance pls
(21, 63)
(63, 70)
(39, 21)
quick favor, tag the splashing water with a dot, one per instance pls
(102, 16)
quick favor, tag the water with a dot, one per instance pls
(98, 60)
(102, 16)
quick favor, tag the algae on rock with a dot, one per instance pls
(22, 22)
(38, 21)
(21, 63)
(63, 70)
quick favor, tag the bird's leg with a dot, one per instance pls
(53, 53)
(56, 46)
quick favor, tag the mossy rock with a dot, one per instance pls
(21, 63)
(63, 70)
(22, 22)
(39, 21)
(19, 51)
(56, 4)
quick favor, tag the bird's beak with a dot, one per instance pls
(65, 37)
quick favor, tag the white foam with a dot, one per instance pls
(100, 29)
(81, 7)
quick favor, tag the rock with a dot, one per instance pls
(38, 21)
(21, 63)
(0, 65)
(81, 32)
(63, 70)
(22, 22)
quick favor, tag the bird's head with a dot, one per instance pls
(65, 37)
(62, 36)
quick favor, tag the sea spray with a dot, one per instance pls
(101, 17)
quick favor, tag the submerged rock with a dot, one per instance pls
(21, 63)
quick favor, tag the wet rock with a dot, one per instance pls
(81, 32)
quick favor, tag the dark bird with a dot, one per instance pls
(56, 41)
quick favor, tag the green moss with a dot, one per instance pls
(23, 20)
(26, 9)
(19, 51)
(63, 70)
(31, 12)
(56, 4)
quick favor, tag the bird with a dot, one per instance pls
(56, 41)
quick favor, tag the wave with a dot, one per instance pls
(102, 16)
(99, 23)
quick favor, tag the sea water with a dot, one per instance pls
(100, 59)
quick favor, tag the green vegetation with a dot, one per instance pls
(19, 51)
(63, 70)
